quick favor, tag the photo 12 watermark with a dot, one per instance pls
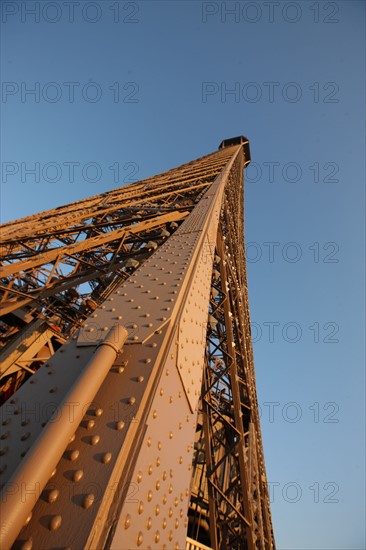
(292, 412)
(70, 11)
(293, 171)
(90, 92)
(316, 492)
(264, 11)
(292, 252)
(270, 92)
(68, 171)
(292, 332)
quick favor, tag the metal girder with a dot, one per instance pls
(133, 432)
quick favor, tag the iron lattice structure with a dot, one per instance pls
(127, 369)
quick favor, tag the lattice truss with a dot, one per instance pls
(60, 266)
(230, 505)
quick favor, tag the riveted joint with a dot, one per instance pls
(115, 338)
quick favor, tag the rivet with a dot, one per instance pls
(161, 391)
(98, 412)
(149, 523)
(120, 425)
(127, 521)
(176, 524)
(139, 538)
(72, 438)
(73, 455)
(89, 424)
(149, 496)
(150, 470)
(155, 414)
(3, 450)
(29, 517)
(170, 435)
(170, 513)
(52, 496)
(88, 501)
(53, 472)
(139, 477)
(147, 360)
(55, 523)
(157, 485)
(170, 535)
(164, 475)
(157, 510)
(159, 445)
(77, 475)
(167, 372)
(94, 440)
(106, 458)
(120, 370)
(164, 523)
(157, 536)
(27, 545)
(176, 502)
(170, 489)
(158, 461)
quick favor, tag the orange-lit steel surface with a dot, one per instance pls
(139, 428)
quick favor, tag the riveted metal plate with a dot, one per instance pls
(193, 327)
(87, 478)
(152, 296)
(28, 411)
(155, 514)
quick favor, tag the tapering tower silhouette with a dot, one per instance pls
(130, 416)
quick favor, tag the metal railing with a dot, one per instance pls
(195, 545)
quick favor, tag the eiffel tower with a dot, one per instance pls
(130, 416)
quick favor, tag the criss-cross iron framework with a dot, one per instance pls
(59, 270)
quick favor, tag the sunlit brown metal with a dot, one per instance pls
(168, 443)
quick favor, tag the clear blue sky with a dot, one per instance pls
(143, 87)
